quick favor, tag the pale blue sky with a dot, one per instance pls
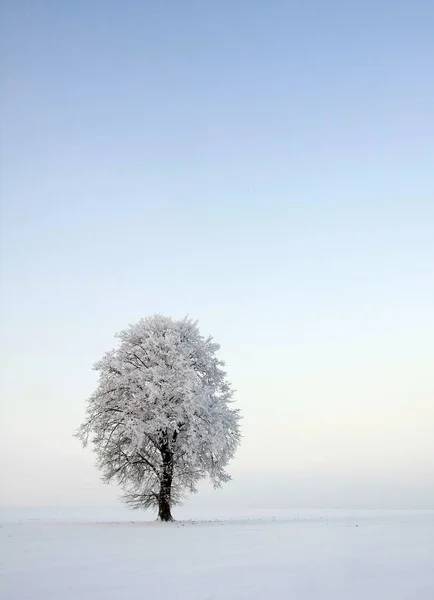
(268, 168)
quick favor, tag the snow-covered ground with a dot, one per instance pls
(336, 555)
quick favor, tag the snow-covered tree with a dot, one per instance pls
(161, 417)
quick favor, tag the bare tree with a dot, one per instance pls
(161, 417)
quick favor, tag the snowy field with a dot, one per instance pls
(336, 555)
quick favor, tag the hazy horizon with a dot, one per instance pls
(266, 168)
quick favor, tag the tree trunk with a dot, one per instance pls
(164, 497)
(164, 513)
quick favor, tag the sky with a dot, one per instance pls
(266, 167)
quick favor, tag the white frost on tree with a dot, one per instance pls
(161, 417)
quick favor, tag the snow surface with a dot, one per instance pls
(337, 555)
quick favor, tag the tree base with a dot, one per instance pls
(169, 519)
(164, 512)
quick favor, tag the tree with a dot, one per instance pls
(161, 417)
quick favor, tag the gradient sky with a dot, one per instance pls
(266, 167)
